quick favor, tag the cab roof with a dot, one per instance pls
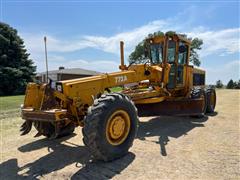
(160, 35)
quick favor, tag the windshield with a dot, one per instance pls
(156, 53)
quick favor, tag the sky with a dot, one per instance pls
(86, 34)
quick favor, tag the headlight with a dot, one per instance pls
(53, 85)
(59, 87)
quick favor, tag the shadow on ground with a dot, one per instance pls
(61, 155)
(169, 126)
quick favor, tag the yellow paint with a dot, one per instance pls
(79, 94)
(34, 95)
(118, 127)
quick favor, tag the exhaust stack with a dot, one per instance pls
(122, 66)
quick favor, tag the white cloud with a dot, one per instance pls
(221, 42)
(110, 44)
(35, 43)
(131, 38)
(224, 72)
(224, 41)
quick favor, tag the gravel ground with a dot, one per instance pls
(165, 148)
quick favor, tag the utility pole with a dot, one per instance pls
(45, 43)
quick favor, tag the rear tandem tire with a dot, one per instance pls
(211, 100)
(197, 93)
(110, 126)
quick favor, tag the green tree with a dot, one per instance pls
(234, 85)
(219, 84)
(137, 56)
(195, 46)
(16, 69)
(230, 84)
(238, 85)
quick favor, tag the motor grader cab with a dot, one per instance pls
(165, 84)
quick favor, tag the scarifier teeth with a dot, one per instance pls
(23, 126)
(26, 127)
(38, 134)
(23, 133)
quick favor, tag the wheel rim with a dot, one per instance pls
(212, 99)
(118, 127)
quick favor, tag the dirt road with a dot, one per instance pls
(165, 148)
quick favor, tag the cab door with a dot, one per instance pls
(182, 53)
(177, 52)
(171, 59)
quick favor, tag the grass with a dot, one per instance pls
(10, 104)
(116, 89)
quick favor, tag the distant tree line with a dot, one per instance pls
(230, 85)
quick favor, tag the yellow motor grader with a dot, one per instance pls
(164, 85)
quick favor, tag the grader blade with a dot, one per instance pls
(180, 107)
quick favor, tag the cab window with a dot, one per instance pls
(182, 56)
(156, 53)
(171, 51)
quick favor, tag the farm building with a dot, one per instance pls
(65, 74)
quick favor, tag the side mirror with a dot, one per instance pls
(182, 49)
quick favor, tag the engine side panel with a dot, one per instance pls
(198, 77)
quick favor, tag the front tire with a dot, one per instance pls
(110, 126)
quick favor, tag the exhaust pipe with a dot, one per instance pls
(122, 66)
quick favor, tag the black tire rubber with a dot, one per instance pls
(94, 130)
(195, 94)
(210, 107)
